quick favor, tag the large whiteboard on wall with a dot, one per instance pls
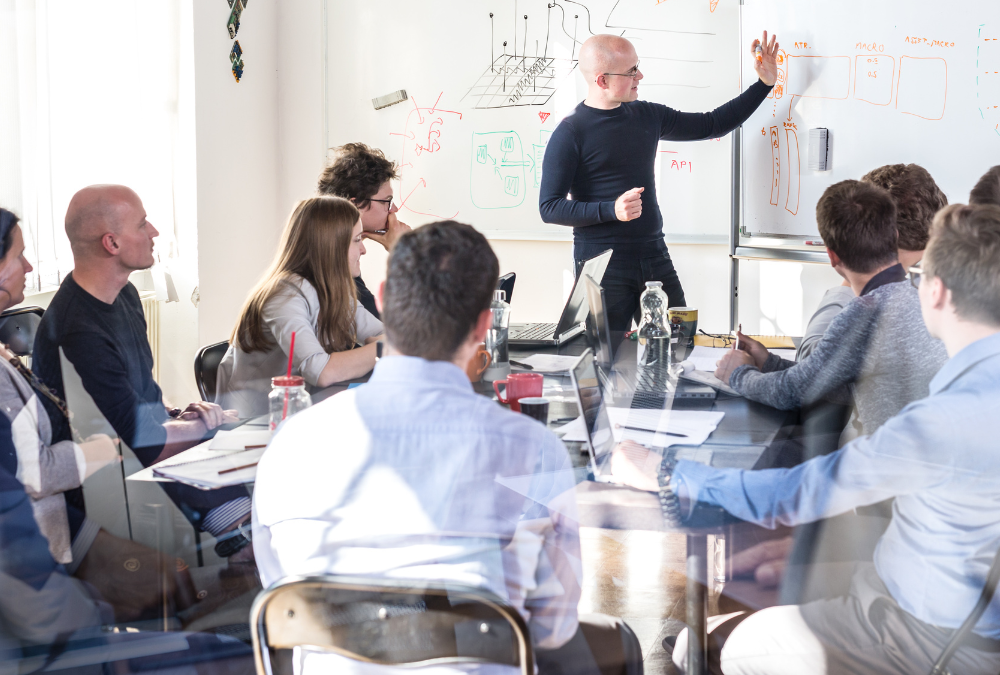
(485, 93)
(894, 81)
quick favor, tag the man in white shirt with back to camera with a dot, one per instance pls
(415, 476)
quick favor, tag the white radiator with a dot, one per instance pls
(151, 308)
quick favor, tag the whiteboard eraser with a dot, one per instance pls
(819, 149)
(389, 99)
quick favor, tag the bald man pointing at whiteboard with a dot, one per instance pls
(602, 156)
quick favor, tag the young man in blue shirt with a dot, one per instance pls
(938, 457)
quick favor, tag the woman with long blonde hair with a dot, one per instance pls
(309, 290)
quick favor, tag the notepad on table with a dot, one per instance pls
(215, 472)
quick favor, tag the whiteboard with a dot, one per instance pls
(894, 81)
(485, 93)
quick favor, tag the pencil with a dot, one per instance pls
(651, 431)
(237, 468)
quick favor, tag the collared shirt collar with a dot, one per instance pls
(889, 275)
(970, 355)
(412, 369)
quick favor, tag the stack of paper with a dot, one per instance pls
(705, 358)
(234, 468)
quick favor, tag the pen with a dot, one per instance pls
(237, 468)
(739, 329)
(651, 431)
(521, 365)
(562, 419)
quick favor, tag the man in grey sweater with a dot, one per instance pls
(877, 351)
(917, 198)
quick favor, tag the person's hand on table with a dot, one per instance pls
(629, 205)
(99, 450)
(767, 65)
(753, 348)
(733, 359)
(765, 561)
(210, 414)
(394, 229)
(636, 466)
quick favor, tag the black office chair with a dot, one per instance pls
(18, 327)
(992, 578)
(387, 622)
(206, 367)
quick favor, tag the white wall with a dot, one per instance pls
(236, 126)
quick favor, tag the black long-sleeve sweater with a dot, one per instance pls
(597, 155)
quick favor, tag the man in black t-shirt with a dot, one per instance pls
(96, 318)
(603, 154)
(363, 175)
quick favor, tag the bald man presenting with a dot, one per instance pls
(603, 155)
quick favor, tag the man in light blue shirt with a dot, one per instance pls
(415, 476)
(940, 459)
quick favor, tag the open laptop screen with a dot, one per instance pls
(576, 307)
(598, 332)
(590, 398)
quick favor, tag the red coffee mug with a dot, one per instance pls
(518, 386)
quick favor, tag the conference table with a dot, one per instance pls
(747, 437)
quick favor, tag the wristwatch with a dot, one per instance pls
(669, 503)
(234, 541)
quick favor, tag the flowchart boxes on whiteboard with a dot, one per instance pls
(497, 176)
(873, 78)
(923, 87)
(819, 76)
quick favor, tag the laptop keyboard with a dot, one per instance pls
(537, 331)
(650, 389)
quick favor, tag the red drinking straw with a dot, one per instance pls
(291, 353)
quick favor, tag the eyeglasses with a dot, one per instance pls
(387, 202)
(632, 72)
(915, 273)
(719, 340)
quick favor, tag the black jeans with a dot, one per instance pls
(625, 280)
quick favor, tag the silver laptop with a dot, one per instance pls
(600, 439)
(598, 329)
(571, 322)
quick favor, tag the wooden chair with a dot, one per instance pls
(387, 622)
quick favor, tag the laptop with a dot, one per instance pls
(600, 440)
(506, 284)
(573, 315)
(597, 328)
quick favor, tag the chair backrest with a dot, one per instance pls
(18, 328)
(386, 622)
(206, 367)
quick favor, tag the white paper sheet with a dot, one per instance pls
(697, 425)
(705, 358)
(784, 353)
(548, 363)
(206, 474)
(239, 439)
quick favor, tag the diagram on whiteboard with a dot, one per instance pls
(526, 72)
(498, 170)
(988, 75)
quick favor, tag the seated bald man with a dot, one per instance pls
(603, 155)
(96, 318)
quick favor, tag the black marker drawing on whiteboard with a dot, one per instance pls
(518, 78)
